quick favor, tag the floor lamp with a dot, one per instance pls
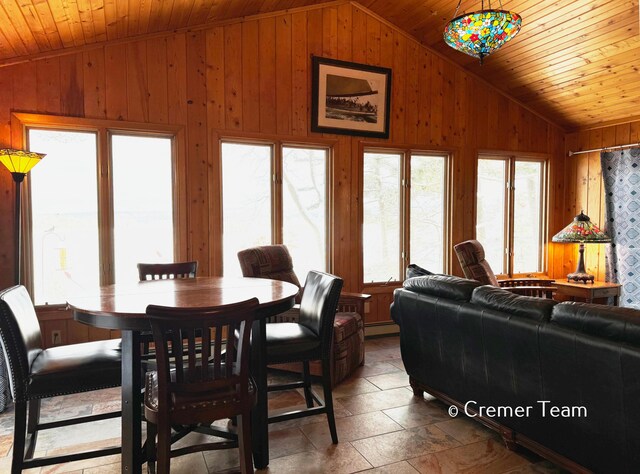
(19, 163)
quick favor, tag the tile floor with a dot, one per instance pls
(382, 428)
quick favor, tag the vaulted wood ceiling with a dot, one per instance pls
(576, 62)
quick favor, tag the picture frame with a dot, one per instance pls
(350, 98)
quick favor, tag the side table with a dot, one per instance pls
(588, 291)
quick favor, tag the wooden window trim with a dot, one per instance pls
(406, 152)
(277, 143)
(510, 159)
(22, 122)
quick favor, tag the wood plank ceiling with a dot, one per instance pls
(576, 62)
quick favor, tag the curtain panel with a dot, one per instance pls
(621, 176)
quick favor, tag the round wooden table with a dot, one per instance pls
(123, 307)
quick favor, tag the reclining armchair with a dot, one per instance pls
(471, 257)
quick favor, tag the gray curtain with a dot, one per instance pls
(621, 175)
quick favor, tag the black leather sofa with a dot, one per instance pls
(491, 351)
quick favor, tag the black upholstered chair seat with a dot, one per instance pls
(309, 339)
(59, 370)
(38, 373)
(290, 339)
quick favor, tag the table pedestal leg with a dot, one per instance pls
(259, 415)
(131, 403)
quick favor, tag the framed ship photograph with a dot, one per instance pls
(350, 98)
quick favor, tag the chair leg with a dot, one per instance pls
(152, 431)
(164, 448)
(19, 434)
(328, 398)
(306, 378)
(32, 427)
(244, 443)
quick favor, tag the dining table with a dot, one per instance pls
(123, 307)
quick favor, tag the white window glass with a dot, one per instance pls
(491, 205)
(64, 209)
(381, 226)
(527, 217)
(427, 208)
(142, 202)
(246, 200)
(304, 205)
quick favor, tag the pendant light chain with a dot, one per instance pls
(457, 8)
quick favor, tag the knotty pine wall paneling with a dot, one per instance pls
(584, 188)
(253, 77)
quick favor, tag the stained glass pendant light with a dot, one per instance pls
(480, 33)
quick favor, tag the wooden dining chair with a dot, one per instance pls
(38, 373)
(191, 388)
(162, 271)
(167, 271)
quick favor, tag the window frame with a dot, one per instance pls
(510, 160)
(21, 123)
(277, 200)
(406, 153)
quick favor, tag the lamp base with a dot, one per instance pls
(580, 277)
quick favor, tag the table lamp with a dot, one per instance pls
(581, 231)
(19, 163)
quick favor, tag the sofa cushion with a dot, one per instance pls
(609, 322)
(491, 297)
(414, 270)
(445, 286)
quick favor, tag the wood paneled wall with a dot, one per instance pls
(254, 76)
(584, 187)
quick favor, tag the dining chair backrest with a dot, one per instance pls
(214, 362)
(167, 271)
(20, 335)
(319, 303)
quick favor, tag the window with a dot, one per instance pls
(510, 219)
(142, 208)
(275, 193)
(90, 226)
(404, 213)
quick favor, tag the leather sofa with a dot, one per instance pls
(493, 354)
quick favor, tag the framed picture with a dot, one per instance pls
(350, 98)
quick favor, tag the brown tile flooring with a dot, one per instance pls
(382, 428)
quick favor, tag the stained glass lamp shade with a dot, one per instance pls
(582, 231)
(480, 33)
(19, 163)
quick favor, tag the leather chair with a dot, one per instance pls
(274, 262)
(475, 267)
(38, 373)
(164, 271)
(190, 389)
(308, 339)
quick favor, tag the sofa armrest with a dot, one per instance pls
(352, 303)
